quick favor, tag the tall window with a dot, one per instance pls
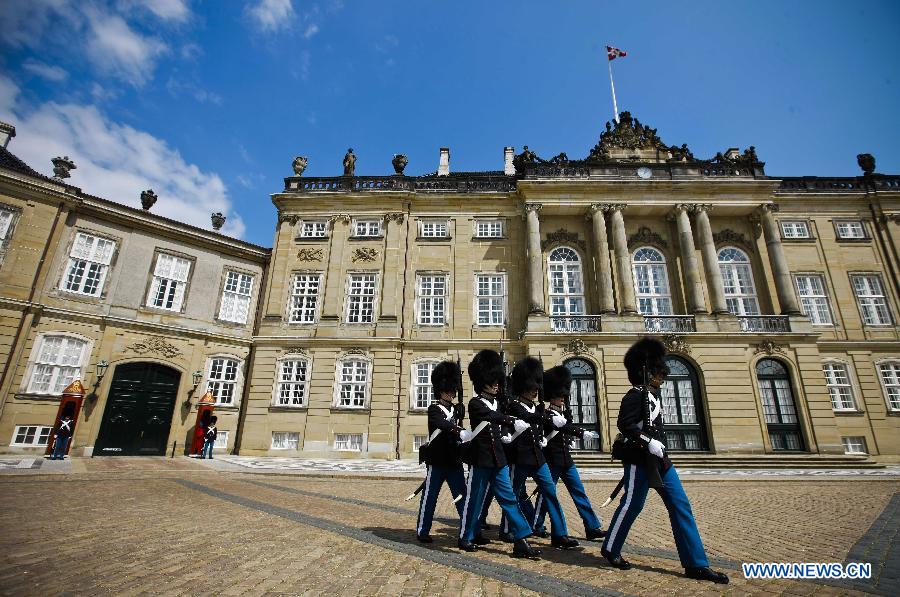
(681, 412)
(889, 372)
(838, 381)
(737, 279)
(432, 291)
(566, 288)
(582, 401)
(236, 297)
(305, 298)
(88, 264)
(293, 382)
(353, 380)
(422, 392)
(871, 298)
(222, 379)
(361, 298)
(488, 228)
(490, 298)
(651, 282)
(58, 364)
(367, 228)
(813, 302)
(433, 228)
(778, 405)
(169, 282)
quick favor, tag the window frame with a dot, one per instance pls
(348, 296)
(740, 297)
(368, 223)
(414, 385)
(240, 273)
(420, 440)
(850, 385)
(277, 382)
(864, 443)
(654, 298)
(501, 222)
(238, 378)
(567, 296)
(503, 298)
(824, 296)
(192, 261)
(862, 225)
(33, 362)
(891, 410)
(15, 213)
(38, 432)
(317, 310)
(436, 222)
(884, 296)
(362, 442)
(220, 443)
(367, 384)
(795, 222)
(103, 268)
(301, 229)
(286, 434)
(432, 298)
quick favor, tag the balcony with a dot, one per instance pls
(670, 324)
(770, 324)
(574, 324)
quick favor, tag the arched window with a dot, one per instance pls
(737, 279)
(681, 409)
(566, 287)
(651, 282)
(583, 401)
(778, 405)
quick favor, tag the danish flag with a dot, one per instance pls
(613, 53)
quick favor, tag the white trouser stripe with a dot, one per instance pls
(537, 510)
(462, 522)
(628, 493)
(424, 499)
(512, 475)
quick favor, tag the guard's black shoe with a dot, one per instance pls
(594, 534)
(466, 546)
(563, 542)
(424, 538)
(487, 527)
(706, 574)
(521, 549)
(542, 533)
(506, 537)
(480, 540)
(615, 561)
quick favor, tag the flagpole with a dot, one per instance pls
(613, 86)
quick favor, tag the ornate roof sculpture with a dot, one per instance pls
(628, 139)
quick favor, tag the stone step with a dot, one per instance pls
(759, 461)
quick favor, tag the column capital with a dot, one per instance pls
(768, 208)
(682, 207)
(291, 219)
(613, 207)
(533, 207)
(701, 207)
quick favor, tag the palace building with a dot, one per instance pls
(776, 296)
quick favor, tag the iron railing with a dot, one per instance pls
(670, 323)
(575, 323)
(765, 323)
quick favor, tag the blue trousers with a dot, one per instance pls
(547, 488)
(476, 490)
(59, 448)
(488, 498)
(206, 452)
(684, 527)
(434, 481)
(572, 481)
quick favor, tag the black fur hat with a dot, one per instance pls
(527, 375)
(646, 351)
(445, 378)
(557, 382)
(486, 369)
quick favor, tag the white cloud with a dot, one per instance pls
(47, 71)
(271, 15)
(177, 88)
(25, 22)
(116, 161)
(117, 49)
(311, 30)
(177, 11)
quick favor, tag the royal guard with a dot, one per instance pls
(60, 439)
(205, 408)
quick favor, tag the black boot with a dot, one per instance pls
(506, 537)
(563, 542)
(521, 549)
(615, 561)
(466, 546)
(706, 574)
(594, 534)
(480, 540)
(487, 527)
(542, 533)
(424, 538)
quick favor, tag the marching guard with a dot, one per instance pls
(641, 447)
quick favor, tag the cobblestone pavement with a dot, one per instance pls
(148, 525)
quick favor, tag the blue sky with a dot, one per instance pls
(207, 102)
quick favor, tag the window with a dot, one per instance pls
(6, 218)
(778, 405)
(872, 302)
(361, 298)
(30, 435)
(422, 392)
(367, 228)
(566, 289)
(353, 383)
(58, 364)
(293, 381)
(681, 409)
(737, 279)
(305, 298)
(222, 379)
(890, 379)
(221, 440)
(348, 442)
(236, 297)
(285, 440)
(850, 230)
(651, 282)
(838, 381)
(313, 229)
(813, 302)
(854, 445)
(88, 264)
(418, 441)
(431, 300)
(490, 299)
(488, 228)
(582, 402)
(433, 229)
(791, 230)
(169, 282)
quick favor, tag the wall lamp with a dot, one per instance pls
(100, 370)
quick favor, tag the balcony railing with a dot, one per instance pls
(575, 324)
(670, 323)
(765, 323)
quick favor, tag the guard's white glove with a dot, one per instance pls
(656, 448)
(520, 425)
(589, 435)
(506, 439)
(559, 421)
(543, 442)
(465, 436)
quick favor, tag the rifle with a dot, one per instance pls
(502, 393)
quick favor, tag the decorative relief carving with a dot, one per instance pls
(342, 217)
(561, 237)
(676, 343)
(730, 237)
(771, 207)
(299, 350)
(354, 351)
(395, 217)
(157, 345)
(768, 347)
(365, 254)
(576, 346)
(645, 236)
(307, 254)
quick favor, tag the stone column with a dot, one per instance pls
(334, 272)
(601, 256)
(391, 285)
(535, 271)
(783, 285)
(693, 285)
(710, 259)
(623, 258)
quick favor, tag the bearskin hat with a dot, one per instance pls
(445, 378)
(646, 351)
(486, 369)
(527, 376)
(557, 382)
